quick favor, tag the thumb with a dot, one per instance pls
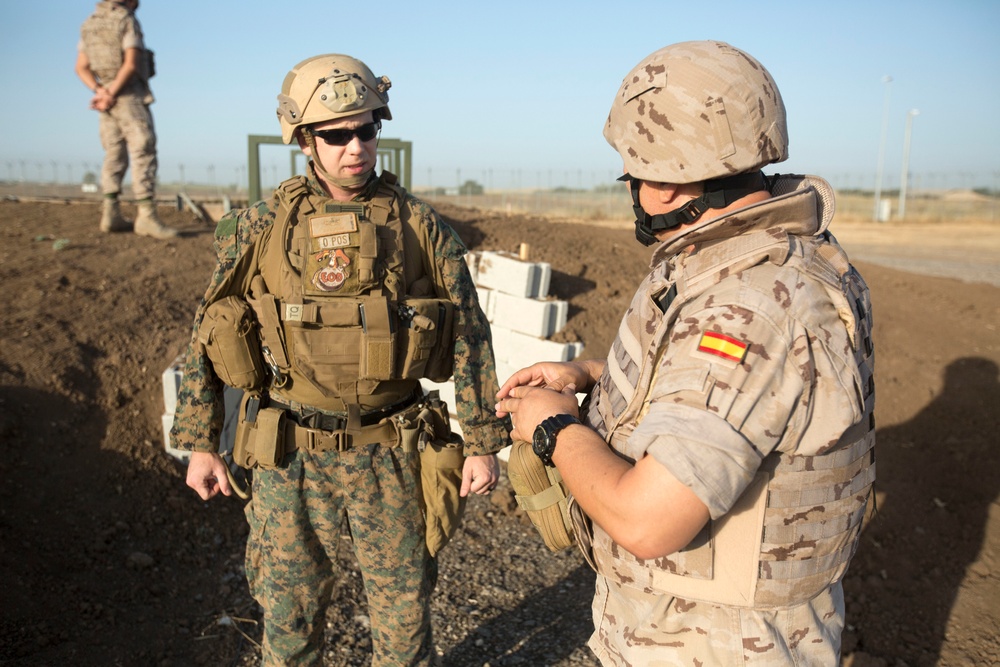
(570, 389)
(222, 477)
(466, 482)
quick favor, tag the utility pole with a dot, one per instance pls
(881, 151)
(906, 162)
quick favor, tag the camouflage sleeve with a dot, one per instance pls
(200, 410)
(475, 375)
(131, 34)
(744, 377)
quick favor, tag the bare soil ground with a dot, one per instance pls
(106, 558)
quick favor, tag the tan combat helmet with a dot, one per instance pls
(326, 87)
(697, 112)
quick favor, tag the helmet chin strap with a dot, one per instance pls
(352, 183)
(718, 193)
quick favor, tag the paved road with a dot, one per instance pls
(970, 253)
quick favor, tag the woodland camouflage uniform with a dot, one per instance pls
(369, 491)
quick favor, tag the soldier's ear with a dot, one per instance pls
(303, 146)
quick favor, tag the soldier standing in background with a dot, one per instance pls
(113, 62)
(726, 459)
(329, 302)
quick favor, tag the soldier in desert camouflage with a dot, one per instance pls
(726, 457)
(113, 62)
(330, 301)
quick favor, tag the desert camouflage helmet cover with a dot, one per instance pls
(695, 111)
(326, 87)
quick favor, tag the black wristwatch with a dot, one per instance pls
(543, 442)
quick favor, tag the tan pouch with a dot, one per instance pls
(442, 460)
(426, 339)
(378, 343)
(229, 333)
(539, 491)
(441, 467)
(260, 435)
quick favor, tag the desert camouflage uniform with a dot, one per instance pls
(126, 129)
(790, 408)
(297, 512)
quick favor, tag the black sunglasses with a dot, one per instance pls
(339, 137)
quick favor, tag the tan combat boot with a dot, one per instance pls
(147, 223)
(111, 217)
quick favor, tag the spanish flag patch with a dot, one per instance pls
(722, 346)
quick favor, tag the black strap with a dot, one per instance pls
(313, 418)
(717, 193)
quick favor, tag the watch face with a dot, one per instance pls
(539, 439)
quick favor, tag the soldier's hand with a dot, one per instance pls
(553, 375)
(207, 475)
(479, 475)
(528, 406)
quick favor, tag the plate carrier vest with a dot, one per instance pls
(795, 528)
(330, 300)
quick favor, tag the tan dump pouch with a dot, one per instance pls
(378, 352)
(229, 334)
(441, 465)
(539, 491)
(260, 435)
(426, 339)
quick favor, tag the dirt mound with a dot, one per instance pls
(108, 559)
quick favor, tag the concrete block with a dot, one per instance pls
(529, 316)
(171, 383)
(167, 420)
(530, 350)
(507, 273)
(447, 392)
(486, 297)
(472, 261)
(505, 370)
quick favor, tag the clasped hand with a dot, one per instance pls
(538, 392)
(102, 100)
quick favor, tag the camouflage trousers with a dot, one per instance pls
(127, 134)
(637, 628)
(296, 520)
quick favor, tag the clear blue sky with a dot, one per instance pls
(517, 92)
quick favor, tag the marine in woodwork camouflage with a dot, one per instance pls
(199, 414)
(351, 461)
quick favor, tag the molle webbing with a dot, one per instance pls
(794, 530)
(332, 300)
(267, 308)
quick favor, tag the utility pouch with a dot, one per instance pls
(441, 463)
(378, 351)
(260, 435)
(228, 332)
(540, 491)
(426, 339)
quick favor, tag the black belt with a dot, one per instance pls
(312, 418)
